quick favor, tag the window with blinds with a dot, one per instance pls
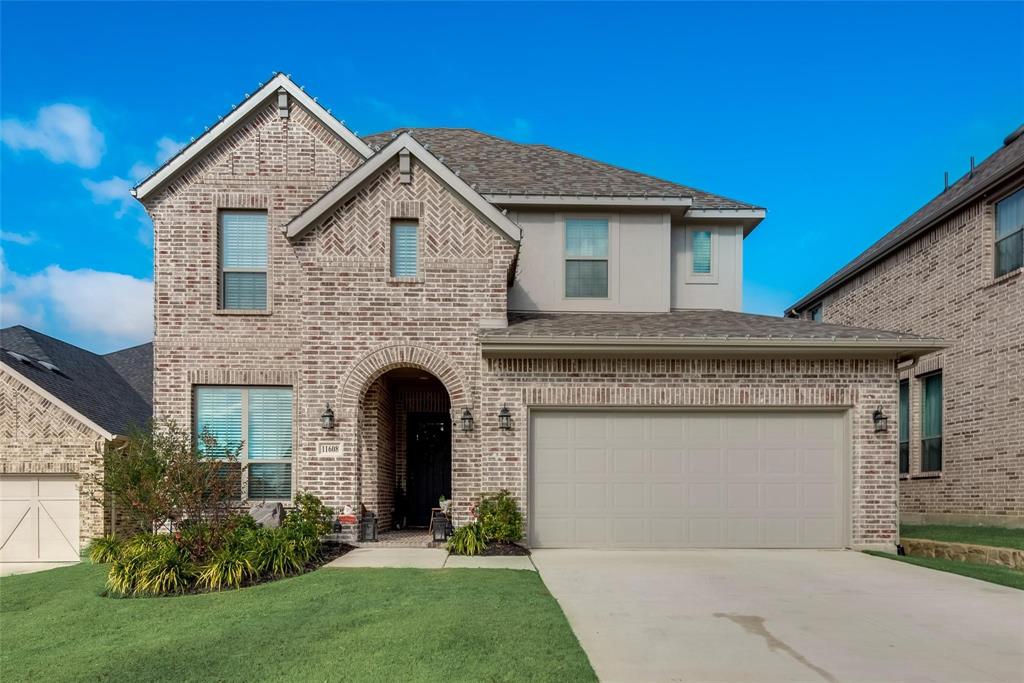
(1010, 233)
(243, 260)
(257, 421)
(586, 258)
(700, 252)
(904, 427)
(931, 423)
(405, 249)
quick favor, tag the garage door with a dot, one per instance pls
(38, 519)
(674, 480)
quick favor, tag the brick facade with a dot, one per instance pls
(337, 323)
(943, 285)
(38, 436)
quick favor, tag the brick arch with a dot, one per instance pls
(381, 360)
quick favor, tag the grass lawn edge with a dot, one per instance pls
(1002, 576)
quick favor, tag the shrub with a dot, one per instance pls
(104, 550)
(468, 540)
(276, 552)
(228, 568)
(126, 570)
(167, 569)
(311, 515)
(500, 517)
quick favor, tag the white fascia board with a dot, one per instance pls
(589, 200)
(57, 402)
(725, 213)
(353, 180)
(225, 125)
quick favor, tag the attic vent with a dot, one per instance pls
(404, 167)
(18, 356)
(51, 367)
(282, 103)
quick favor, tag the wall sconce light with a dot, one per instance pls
(504, 418)
(880, 420)
(467, 420)
(327, 419)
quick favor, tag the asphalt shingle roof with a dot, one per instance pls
(688, 324)
(114, 391)
(494, 165)
(1004, 161)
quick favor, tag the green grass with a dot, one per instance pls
(977, 535)
(1004, 576)
(331, 624)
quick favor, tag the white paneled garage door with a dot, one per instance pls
(38, 518)
(636, 479)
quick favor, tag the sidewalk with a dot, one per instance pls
(426, 558)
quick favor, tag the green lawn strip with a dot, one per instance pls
(1004, 576)
(976, 535)
(331, 624)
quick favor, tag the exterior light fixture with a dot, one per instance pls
(327, 419)
(467, 420)
(505, 418)
(880, 420)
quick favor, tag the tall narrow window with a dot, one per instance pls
(586, 258)
(1010, 233)
(700, 250)
(258, 422)
(405, 249)
(931, 423)
(815, 313)
(904, 427)
(243, 260)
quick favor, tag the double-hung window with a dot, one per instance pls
(405, 249)
(700, 252)
(931, 423)
(586, 258)
(904, 427)
(257, 421)
(243, 260)
(1010, 233)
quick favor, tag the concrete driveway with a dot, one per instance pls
(783, 615)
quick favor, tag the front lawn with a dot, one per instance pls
(976, 535)
(331, 624)
(1004, 576)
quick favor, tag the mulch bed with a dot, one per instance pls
(505, 549)
(329, 550)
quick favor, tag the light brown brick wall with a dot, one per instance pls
(942, 285)
(39, 437)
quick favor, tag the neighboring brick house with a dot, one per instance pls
(60, 406)
(952, 270)
(431, 312)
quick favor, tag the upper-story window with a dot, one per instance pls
(815, 313)
(405, 249)
(700, 252)
(904, 427)
(243, 260)
(931, 423)
(586, 258)
(1010, 233)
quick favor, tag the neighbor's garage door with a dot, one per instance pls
(38, 519)
(673, 480)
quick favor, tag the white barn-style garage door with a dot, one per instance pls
(38, 518)
(656, 479)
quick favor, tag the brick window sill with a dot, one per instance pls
(240, 311)
(1004, 277)
(405, 280)
(927, 475)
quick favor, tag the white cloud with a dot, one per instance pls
(167, 148)
(22, 238)
(116, 190)
(63, 133)
(110, 309)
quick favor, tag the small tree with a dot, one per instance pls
(159, 473)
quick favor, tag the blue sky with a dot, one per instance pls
(840, 118)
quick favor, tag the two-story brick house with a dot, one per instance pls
(431, 312)
(952, 270)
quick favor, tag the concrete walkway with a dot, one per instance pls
(425, 558)
(766, 615)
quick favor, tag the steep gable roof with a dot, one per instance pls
(495, 166)
(1005, 161)
(89, 384)
(237, 115)
(405, 141)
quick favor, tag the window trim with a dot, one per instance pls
(243, 455)
(221, 269)
(818, 308)
(692, 277)
(1018, 233)
(923, 380)
(566, 258)
(405, 222)
(904, 385)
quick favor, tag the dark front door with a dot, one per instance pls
(428, 455)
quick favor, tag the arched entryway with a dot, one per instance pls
(405, 425)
